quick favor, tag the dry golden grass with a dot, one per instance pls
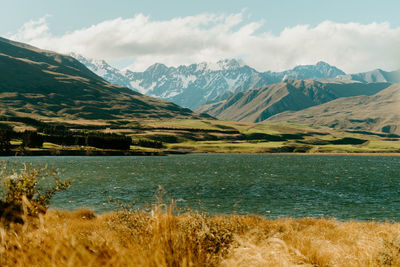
(160, 238)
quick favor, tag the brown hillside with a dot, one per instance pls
(377, 113)
(41, 83)
(260, 104)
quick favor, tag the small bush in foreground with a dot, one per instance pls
(21, 192)
(160, 238)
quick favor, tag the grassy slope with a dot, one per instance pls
(299, 136)
(379, 113)
(214, 136)
(158, 238)
(260, 104)
(43, 84)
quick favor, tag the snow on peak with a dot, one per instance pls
(225, 64)
(185, 79)
(196, 84)
(76, 56)
(156, 67)
(93, 64)
(228, 64)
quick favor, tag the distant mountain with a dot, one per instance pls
(197, 84)
(39, 83)
(321, 70)
(193, 85)
(375, 113)
(102, 69)
(259, 104)
(374, 76)
(312, 72)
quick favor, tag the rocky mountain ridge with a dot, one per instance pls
(379, 112)
(44, 84)
(257, 105)
(197, 84)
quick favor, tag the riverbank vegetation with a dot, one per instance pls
(28, 136)
(160, 237)
(164, 235)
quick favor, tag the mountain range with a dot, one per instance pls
(373, 76)
(346, 105)
(317, 95)
(374, 113)
(197, 84)
(257, 105)
(44, 84)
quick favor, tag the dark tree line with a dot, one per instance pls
(148, 143)
(5, 138)
(109, 141)
(62, 134)
(33, 139)
(29, 139)
(98, 140)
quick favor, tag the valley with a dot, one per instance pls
(199, 133)
(159, 137)
(53, 105)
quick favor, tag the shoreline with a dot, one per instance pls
(81, 153)
(339, 154)
(174, 152)
(159, 238)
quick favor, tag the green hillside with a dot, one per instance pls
(376, 113)
(43, 84)
(292, 95)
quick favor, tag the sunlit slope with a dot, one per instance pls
(260, 104)
(41, 83)
(376, 113)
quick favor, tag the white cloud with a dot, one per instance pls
(353, 47)
(34, 29)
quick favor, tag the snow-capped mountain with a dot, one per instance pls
(374, 76)
(318, 71)
(193, 85)
(197, 84)
(104, 70)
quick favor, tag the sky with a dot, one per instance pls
(353, 35)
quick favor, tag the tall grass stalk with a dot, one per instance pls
(166, 236)
(161, 238)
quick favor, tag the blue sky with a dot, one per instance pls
(56, 24)
(68, 15)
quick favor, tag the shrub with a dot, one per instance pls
(348, 141)
(21, 192)
(98, 140)
(32, 139)
(148, 143)
(109, 141)
(5, 138)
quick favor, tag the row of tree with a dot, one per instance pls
(98, 140)
(33, 139)
(148, 143)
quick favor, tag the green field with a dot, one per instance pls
(200, 136)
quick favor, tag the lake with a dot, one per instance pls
(340, 186)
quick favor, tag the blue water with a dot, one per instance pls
(344, 187)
